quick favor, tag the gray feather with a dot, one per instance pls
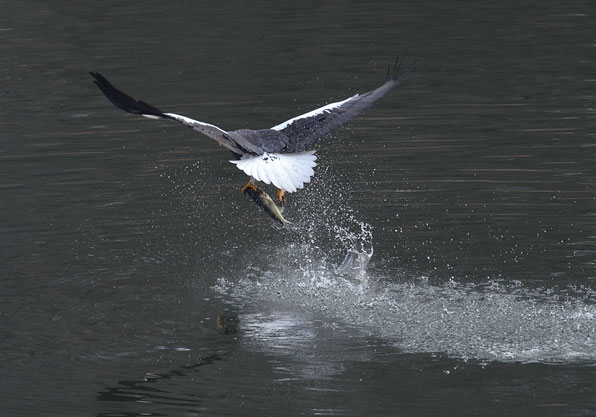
(305, 132)
(260, 141)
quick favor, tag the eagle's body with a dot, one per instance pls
(278, 155)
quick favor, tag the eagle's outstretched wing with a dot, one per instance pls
(128, 104)
(305, 130)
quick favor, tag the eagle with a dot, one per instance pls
(281, 155)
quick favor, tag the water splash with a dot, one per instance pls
(493, 321)
(355, 264)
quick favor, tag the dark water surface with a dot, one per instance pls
(137, 279)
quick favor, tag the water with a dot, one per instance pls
(442, 262)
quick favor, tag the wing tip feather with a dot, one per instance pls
(122, 100)
(401, 67)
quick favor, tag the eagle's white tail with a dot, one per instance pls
(286, 171)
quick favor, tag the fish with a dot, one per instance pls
(266, 203)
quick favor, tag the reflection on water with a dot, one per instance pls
(297, 341)
(148, 393)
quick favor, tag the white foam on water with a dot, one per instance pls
(493, 321)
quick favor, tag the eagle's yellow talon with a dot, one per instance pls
(281, 197)
(250, 186)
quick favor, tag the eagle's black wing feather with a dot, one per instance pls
(304, 131)
(128, 104)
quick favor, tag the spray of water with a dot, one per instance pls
(323, 267)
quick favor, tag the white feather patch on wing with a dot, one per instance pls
(288, 171)
(192, 122)
(325, 109)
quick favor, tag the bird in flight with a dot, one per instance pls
(280, 155)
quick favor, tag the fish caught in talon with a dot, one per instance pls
(265, 202)
(278, 155)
